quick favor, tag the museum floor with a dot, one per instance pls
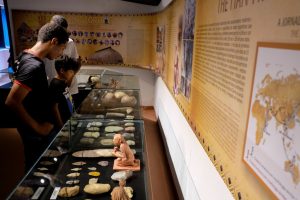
(160, 182)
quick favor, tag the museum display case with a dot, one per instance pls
(116, 81)
(111, 104)
(83, 161)
(79, 162)
(101, 78)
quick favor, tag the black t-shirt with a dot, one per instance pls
(59, 94)
(30, 73)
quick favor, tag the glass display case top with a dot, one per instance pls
(111, 104)
(102, 79)
(120, 81)
(63, 172)
(98, 134)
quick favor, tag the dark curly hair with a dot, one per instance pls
(53, 30)
(60, 20)
(67, 63)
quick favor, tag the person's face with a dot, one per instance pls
(68, 76)
(55, 50)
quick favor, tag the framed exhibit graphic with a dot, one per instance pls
(272, 143)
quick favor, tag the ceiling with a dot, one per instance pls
(146, 2)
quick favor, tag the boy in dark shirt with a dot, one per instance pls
(29, 96)
(62, 106)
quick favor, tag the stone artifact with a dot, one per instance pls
(63, 134)
(92, 168)
(119, 193)
(129, 117)
(80, 163)
(42, 169)
(130, 142)
(39, 174)
(128, 101)
(68, 191)
(119, 94)
(95, 173)
(128, 135)
(110, 134)
(93, 128)
(121, 175)
(114, 115)
(87, 140)
(96, 124)
(92, 134)
(72, 182)
(96, 188)
(130, 129)
(76, 169)
(24, 192)
(106, 142)
(113, 123)
(113, 129)
(129, 191)
(126, 110)
(129, 124)
(47, 163)
(109, 99)
(125, 157)
(73, 175)
(103, 163)
(94, 153)
(52, 153)
(93, 180)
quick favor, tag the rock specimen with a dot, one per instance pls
(128, 101)
(68, 191)
(87, 140)
(73, 175)
(114, 115)
(121, 175)
(24, 192)
(80, 163)
(91, 134)
(106, 142)
(119, 94)
(113, 129)
(130, 129)
(93, 128)
(96, 188)
(72, 182)
(93, 153)
(103, 163)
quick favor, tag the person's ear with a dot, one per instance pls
(54, 41)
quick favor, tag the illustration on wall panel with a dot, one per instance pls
(272, 147)
(188, 44)
(160, 50)
(99, 39)
(177, 58)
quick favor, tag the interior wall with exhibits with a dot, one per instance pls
(101, 39)
(232, 67)
(244, 99)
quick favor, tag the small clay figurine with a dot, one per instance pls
(119, 192)
(126, 159)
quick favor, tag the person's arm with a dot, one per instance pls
(14, 101)
(123, 149)
(57, 116)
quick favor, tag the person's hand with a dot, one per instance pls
(44, 128)
(116, 149)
